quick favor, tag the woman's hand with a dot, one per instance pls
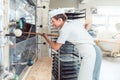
(45, 35)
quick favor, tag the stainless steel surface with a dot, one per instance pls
(21, 52)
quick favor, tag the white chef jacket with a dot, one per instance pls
(74, 32)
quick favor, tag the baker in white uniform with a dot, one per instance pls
(74, 32)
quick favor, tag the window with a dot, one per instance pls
(106, 19)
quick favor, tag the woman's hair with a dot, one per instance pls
(62, 16)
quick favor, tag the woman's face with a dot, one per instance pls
(57, 23)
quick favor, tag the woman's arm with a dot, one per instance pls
(54, 45)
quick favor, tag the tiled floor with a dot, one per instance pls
(110, 69)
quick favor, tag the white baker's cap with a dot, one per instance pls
(56, 12)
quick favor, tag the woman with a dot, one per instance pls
(98, 60)
(74, 32)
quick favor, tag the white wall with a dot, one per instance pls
(63, 3)
(93, 3)
(105, 2)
